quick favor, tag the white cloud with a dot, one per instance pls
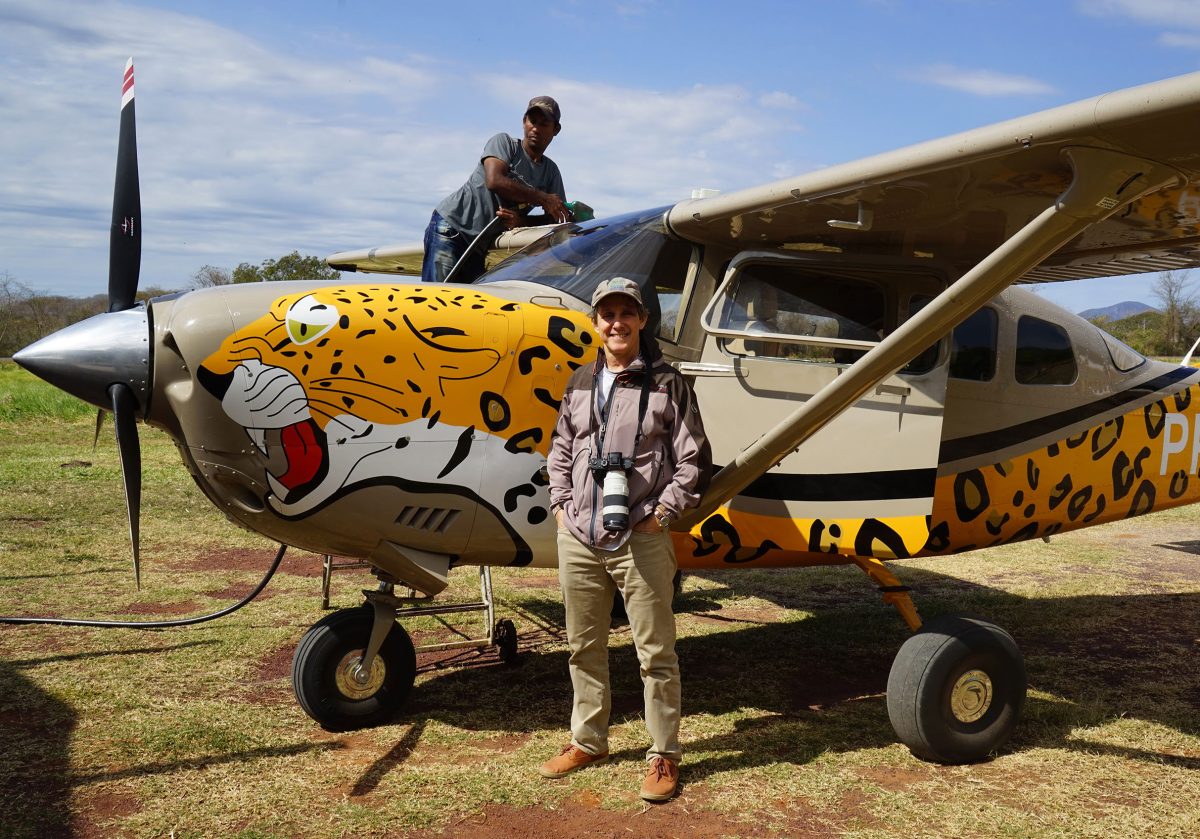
(780, 100)
(982, 82)
(1179, 39)
(1175, 14)
(247, 151)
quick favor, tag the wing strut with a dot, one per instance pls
(1104, 181)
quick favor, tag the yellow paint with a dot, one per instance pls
(392, 354)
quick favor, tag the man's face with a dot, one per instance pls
(539, 130)
(618, 322)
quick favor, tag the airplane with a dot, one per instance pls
(875, 385)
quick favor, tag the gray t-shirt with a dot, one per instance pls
(473, 205)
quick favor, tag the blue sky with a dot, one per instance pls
(320, 126)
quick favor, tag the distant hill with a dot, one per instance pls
(1117, 311)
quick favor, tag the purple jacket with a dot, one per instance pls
(672, 462)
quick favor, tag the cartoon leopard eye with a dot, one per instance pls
(309, 319)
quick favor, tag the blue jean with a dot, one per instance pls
(444, 246)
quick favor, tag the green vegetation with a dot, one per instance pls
(24, 398)
(1166, 333)
(194, 732)
(293, 266)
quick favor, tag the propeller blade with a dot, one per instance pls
(125, 237)
(99, 424)
(124, 406)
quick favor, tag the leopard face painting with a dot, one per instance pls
(443, 389)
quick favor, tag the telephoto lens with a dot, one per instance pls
(616, 494)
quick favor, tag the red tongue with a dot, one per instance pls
(304, 456)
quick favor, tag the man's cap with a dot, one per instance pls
(546, 104)
(617, 285)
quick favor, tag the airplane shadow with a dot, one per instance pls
(35, 728)
(802, 687)
(36, 781)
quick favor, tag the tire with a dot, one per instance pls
(506, 640)
(321, 671)
(956, 689)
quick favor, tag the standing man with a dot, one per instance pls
(633, 414)
(512, 175)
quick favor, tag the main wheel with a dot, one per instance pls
(324, 675)
(956, 690)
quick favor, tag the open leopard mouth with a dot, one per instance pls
(297, 458)
(297, 453)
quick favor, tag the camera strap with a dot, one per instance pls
(643, 403)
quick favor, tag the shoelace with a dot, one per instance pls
(661, 768)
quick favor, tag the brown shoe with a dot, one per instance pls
(661, 780)
(569, 760)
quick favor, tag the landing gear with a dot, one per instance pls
(957, 686)
(956, 690)
(330, 685)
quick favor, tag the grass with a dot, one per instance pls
(194, 732)
(25, 399)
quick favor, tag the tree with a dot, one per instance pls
(293, 266)
(26, 316)
(1179, 312)
(209, 276)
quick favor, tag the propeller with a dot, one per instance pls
(105, 360)
(124, 268)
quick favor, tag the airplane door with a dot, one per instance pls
(782, 326)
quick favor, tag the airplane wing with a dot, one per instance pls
(958, 198)
(406, 258)
(386, 259)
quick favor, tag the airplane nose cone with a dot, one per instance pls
(88, 357)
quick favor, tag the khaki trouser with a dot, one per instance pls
(644, 572)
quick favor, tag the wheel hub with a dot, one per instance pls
(355, 683)
(971, 696)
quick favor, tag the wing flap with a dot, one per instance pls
(406, 258)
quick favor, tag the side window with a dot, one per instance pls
(1044, 353)
(1124, 358)
(781, 300)
(973, 347)
(667, 278)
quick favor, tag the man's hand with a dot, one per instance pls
(511, 218)
(558, 517)
(554, 208)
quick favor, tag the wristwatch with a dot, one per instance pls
(662, 516)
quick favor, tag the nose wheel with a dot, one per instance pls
(330, 682)
(956, 690)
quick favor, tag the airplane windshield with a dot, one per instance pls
(637, 246)
(574, 259)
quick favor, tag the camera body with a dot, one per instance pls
(611, 471)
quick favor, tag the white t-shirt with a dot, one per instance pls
(607, 377)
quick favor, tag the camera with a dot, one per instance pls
(610, 471)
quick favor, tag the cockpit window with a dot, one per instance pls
(796, 302)
(637, 246)
(1044, 353)
(1124, 358)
